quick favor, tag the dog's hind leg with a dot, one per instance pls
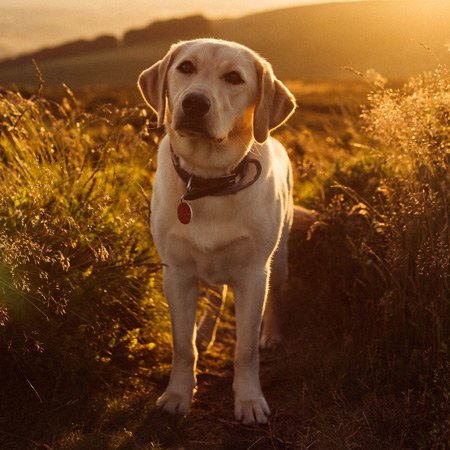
(206, 332)
(270, 330)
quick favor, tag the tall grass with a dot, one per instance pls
(411, 129)
(77, 268)
(375, 272)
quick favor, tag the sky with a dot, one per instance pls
(27, 25)
(215, 8)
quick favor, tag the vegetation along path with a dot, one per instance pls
(84, 330)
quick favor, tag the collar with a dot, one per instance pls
(198, 187)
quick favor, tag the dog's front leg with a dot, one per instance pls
(182, 293)
(250, 406)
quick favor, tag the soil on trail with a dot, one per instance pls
(211, 423)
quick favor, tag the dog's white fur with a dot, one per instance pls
(239, 240)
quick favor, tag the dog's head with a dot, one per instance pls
(217, 91)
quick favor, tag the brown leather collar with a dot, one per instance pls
(198, 187)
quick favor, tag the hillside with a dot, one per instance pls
(324, 38)
(301, 42)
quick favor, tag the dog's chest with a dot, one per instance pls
(214, 257)
(216, 223)
(217, 241)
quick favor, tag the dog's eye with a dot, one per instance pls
(186, 67)
(233, 78)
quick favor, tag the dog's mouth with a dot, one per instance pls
(191, 129)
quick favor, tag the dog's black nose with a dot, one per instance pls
(196, 105)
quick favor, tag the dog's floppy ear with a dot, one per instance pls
(274, 104)
(152, 83)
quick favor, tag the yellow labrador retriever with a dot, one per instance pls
(222, 203)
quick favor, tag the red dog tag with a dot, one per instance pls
(184, 212)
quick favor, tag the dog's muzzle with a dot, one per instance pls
(193, 121)
(195, 106)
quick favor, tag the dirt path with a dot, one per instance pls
(211, 424)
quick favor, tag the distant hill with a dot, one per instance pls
(173, 29)
(321, 39)
(72, 48)
(301, 42)
(177, 29)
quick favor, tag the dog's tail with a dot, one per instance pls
(303, 219)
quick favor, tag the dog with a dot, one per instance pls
(221, 206)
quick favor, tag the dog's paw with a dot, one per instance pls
(174, 403)
(269, 341)
(251, 411)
